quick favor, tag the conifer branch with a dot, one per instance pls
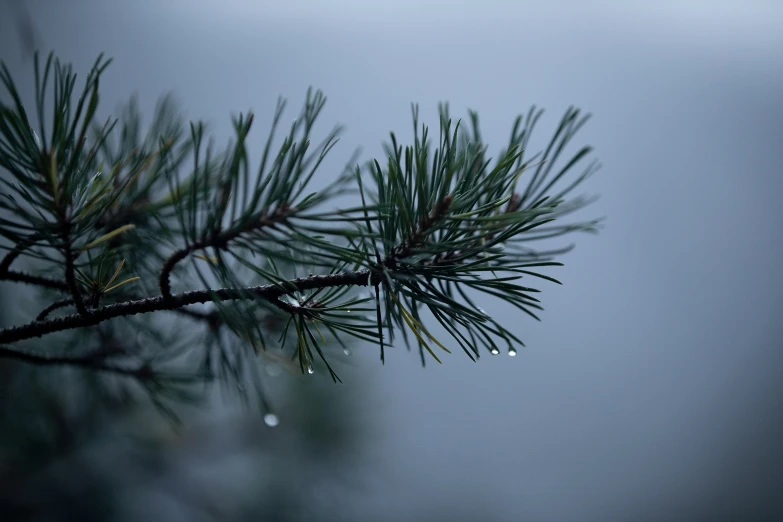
(438, 225)
(6, 274)
(269, 292)
(70, 272)
(219, 240)
(10, 257)
(418, 236)
(62, 303)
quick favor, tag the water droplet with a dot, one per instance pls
(512, 352)
(310, 369)
(271, 420)
(481, 311)
(346, 351)
(494, 351)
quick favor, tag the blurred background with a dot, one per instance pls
(652, 388)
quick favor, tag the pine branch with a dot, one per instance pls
(10, 257)
(441, 227)
(453, 257)
(62, 303)
(219, 241)
(418, 236)
(154, 304)
(6, 274)
(70, 275)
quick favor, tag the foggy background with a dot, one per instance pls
(651, 390)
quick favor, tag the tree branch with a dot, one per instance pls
(70, 277)
(6, 274)
(439, 209)
(9, 258)
(153, 304)
(218, 240)
(54, 306)
(453, 257)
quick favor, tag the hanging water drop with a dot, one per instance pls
(346, 351)
(494, 351)
(271, 420)
(512, 352)
(481, 311)
(310, 369)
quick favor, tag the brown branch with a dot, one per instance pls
(6, 274)
(271, 293)
(439, 209)
(448, 257)
(70, 276)
(513, 205)
(153, 304)
(62, 303)
(218, 240)
(9, 258)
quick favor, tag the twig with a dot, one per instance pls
(449, 257)
(439, 209)
(218, 240)
(9, 258)
(70, 277)
(153, 304)
(54, 306)
(6, 274)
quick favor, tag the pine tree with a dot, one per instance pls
(166, 263)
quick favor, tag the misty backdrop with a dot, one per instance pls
(652, 389)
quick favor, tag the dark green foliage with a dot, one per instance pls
(114, 222)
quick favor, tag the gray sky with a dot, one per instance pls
(651, 388)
